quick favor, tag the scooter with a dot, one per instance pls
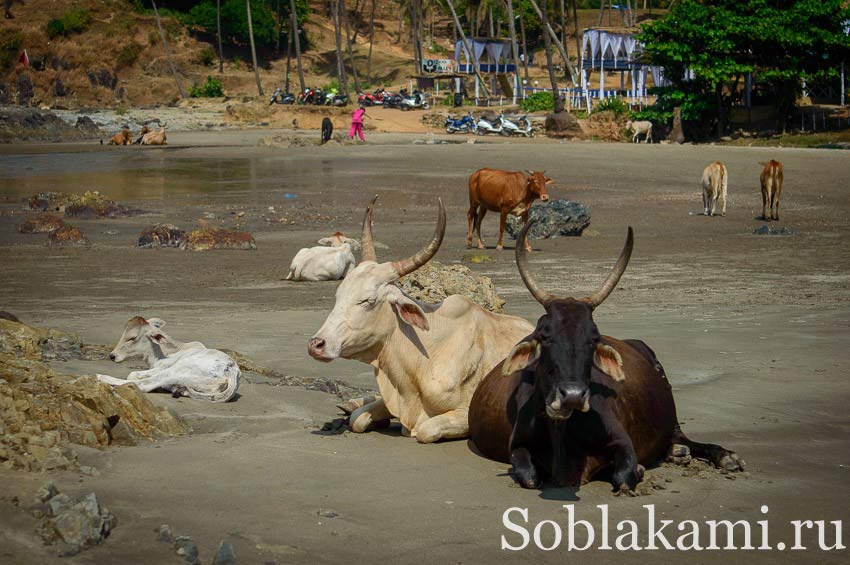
(392, 100)
(418, 100)
(281, 97)
(519, 126)
(372, 98)
(485, 126)
(336, 100)
(464, 124)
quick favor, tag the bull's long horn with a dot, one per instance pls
(407, 266)
(522, 264)
(367, 246)
(600, 295)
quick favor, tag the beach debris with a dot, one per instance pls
(433, 282)
(217, 238)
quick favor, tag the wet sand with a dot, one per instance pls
(752, 331)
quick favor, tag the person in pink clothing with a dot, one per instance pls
(357, 123)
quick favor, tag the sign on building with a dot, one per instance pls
(438, 66)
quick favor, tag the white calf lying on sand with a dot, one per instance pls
(330, 262)
(187, 369)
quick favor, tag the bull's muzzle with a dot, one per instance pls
(316, 349)
(566, 400)
(544, 197)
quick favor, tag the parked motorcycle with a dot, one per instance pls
(464, 124)
(491, 125)
(372, 98)
(518, 126)
(417, 100)
(392, 100)
(281, 97)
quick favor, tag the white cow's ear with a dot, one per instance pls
(608, 360)
(408, 310)
(326, 241)
(156, 322)
(521, 356)
(156, 337)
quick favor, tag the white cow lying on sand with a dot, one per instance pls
(184, 369)
(330, 262)
(640, 128)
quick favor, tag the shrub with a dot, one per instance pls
(128, 54)
(211, 89)
(73, 21)
(153, 37)
(538, 101)
(616, 105)
(207, 57)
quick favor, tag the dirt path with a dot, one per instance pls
(751, 329)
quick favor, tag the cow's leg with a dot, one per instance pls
(503, 221)
(766, 204)
(720, 457)
(627, 473)
(705, 201)
(454, 424)
(525, 472)
(482, 211)
(362, 417)
(722, 202)
(471, 217)
(139, 375)
(777, 194)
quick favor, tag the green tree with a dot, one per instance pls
(783, 42)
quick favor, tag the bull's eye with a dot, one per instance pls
(367, 302)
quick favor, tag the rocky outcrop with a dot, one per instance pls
(31, 124)
(43, 223)
(217, 238)
(42, 411)
(161, 235)
(556, 218)
(67, 235)
(90, 204)
(434, 282)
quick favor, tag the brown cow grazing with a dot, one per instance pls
(714, 182)
(504, 192)
(155, 137)
(568, 402)
(771, 189)
(123, 137)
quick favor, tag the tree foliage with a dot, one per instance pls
(782, 42)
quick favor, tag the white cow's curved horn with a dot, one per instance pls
(366, 244)
(406, 266)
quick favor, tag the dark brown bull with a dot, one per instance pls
(504, 192)
(568, 402)
(771, 189)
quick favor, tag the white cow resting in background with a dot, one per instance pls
(186, 369)
(330, 262)
(428, 358)
(640, 128)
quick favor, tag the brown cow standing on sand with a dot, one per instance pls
(504, 192)
(771, 189)
(123, 137)
(715, 180)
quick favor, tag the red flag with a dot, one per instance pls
(24, 59)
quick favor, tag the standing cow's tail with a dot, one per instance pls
(226, 390)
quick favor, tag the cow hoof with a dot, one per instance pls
(361, 423)
(625, 490)
(639, 471)
(481, 246)
(499, 248)
(732, 462)
(678, 450)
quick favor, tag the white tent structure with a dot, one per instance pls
(491, 56)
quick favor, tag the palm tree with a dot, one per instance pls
(514, 51)
(218, 34)
(547, 41)
(340, 64)
(524, 44)
(167, 52)
(348, 46)
(253, 49)
(575, 23)
(296, 38)
(371, 42)
(468, 47)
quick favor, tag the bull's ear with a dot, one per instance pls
(156, 322)
(326, 241)
(521, 356)
(409, 310)
(608, 360)
(549, 181)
